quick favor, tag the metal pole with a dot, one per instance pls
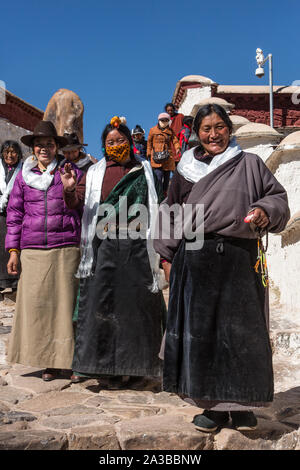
(271, 89)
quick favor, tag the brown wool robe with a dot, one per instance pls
(228, 193)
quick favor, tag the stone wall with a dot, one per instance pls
(256, 108)
(11, 131)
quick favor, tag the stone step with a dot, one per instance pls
(3, 348)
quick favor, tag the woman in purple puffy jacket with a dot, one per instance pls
(43, 235)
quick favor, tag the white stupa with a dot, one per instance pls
(258, 138)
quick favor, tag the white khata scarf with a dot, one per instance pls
(6, 188)
(36, 180)
(193, 170)
(94, 180)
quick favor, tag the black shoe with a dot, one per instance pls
(50, 374)
(116, 382)
(209, 421)
(243, 420)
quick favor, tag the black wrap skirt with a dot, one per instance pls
(120, 321)
(217, 343)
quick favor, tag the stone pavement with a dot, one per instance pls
(136, 414)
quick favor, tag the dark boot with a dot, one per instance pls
(50, 374)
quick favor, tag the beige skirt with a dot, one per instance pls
(42, 332)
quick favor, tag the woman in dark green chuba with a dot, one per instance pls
(121, 307)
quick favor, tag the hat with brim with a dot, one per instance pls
(137, 130)
(72, 142)
(44, 129)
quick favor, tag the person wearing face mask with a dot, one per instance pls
(10, 165)
(121, 307)
(160, 144)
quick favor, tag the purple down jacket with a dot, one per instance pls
(41, 219)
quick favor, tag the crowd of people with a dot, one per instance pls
(89, 297)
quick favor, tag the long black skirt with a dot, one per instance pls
(6, 280)
(120, 321)
(217, 342)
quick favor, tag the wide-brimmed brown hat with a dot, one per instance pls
(44, 129)
(73, 142)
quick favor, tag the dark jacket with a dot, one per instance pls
(41, 219)
(183, 137)
(140, 148)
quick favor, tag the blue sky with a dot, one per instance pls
(125, 57)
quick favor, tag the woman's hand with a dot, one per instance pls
(260, 218)
(167, 268)
(68, 178)
(13, 263)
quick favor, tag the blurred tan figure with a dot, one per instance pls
(65, 109)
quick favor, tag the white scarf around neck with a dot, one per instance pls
(37, 180)
(94, 181)
(6, 188)
(194, 170)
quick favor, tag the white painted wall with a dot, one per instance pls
(193, 96)
(284, 273)
(288, 174)
(262, 145)
(262, 150)
(284, 261)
